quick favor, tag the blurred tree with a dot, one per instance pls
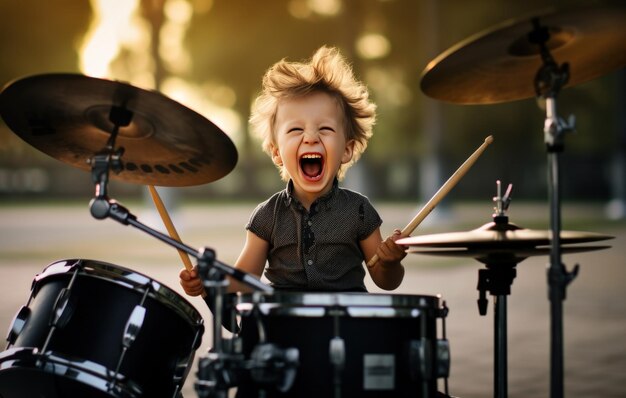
(232, 43)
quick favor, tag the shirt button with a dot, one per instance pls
(310, 262)
(310, 223)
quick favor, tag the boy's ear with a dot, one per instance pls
(278, 161)
(348, 152)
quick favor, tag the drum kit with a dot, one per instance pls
(90, 329)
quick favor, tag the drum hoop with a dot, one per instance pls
(270, 309)
(127, 278)
(276, 300)
(83, 371)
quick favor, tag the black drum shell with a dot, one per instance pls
(369, 324)
(102, 297)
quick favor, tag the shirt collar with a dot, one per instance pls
(325, 200)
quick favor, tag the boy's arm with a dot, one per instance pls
(251, 260)
(388, 272)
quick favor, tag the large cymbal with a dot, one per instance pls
(492, 236)
(67, 117)
(499, 64)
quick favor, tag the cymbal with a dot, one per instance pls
(499, 64)
(506, 255)
(67, 117)
(496, 237)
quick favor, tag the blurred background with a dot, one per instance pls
(210, 56)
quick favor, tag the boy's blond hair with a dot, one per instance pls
(327, 71)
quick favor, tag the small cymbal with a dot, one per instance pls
(507, 255)
(67, 117)
(494, 237)
(499, 64)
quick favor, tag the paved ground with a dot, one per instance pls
(594, 312)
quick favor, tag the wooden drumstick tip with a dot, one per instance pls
(489, 139)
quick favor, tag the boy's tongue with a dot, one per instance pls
(312, 169)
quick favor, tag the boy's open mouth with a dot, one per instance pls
(312, 164)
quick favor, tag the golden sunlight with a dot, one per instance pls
(325, 7)
(118, 46)
(373, 46)
(302, 9)
(117, 28)
(172, 36)
(199, 99)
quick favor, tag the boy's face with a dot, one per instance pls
(311, 141)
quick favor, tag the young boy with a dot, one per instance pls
(315, 119)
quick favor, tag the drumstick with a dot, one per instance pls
(170, 227)
(439, 195)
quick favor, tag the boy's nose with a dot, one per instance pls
(311, 137)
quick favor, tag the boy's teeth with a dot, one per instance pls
(311, 164)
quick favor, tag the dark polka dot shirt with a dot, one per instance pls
(315, 250)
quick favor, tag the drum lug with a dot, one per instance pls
(63, 309)
(19, 321)
(133, 325)
(337, 353)
(419, 355)
(443, 358)
(64, 304)
(131, 330)
(420, 358)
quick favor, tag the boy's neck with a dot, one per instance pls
(306, 199)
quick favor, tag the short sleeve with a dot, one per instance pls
(262, 219)
(369, 219)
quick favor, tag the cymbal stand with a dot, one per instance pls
(212, 270)
(497, 279)
(217, 370)
(548, 82)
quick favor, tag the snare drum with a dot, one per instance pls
(348, 344)
(93, 329)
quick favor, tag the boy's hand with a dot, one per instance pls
(389, 253)
(190, 282)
